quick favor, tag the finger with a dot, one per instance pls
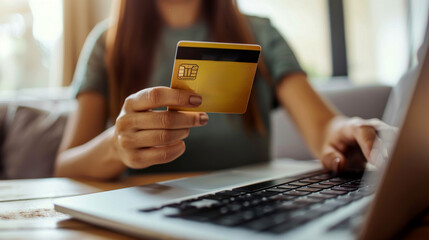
(387, 132)
(355, 159)
(161, 120)
(146, 157)
(156, 97)
(333, 160)
(365, 137)
(379, 153)
(375, 123)
(151, 138)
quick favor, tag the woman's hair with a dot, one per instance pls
(132, 39)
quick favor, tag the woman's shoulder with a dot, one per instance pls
(258, 22)
(260, 25)
(97, 36)
(277, 53)
(90, 74)
(262, 29)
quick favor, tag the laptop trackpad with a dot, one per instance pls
(245, 175)
(213, 181)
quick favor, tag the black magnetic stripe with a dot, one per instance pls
(217, 54)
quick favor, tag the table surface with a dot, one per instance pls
(27, 211)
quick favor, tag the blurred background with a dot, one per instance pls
(365, 41)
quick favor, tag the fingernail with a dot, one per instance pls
(204, 118)
(336, 165)
(195, 100)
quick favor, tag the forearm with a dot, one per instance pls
(94, 159)
(312, 115)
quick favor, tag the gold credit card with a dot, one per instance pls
(222, 73)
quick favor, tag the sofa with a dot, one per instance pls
(32, 124)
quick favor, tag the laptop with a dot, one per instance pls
(288, 199)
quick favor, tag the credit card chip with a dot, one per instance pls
(187, 71)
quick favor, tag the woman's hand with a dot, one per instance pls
(351, 142)
(144, 137)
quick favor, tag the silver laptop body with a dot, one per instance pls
(401, 193)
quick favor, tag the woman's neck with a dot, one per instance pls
(179, 13)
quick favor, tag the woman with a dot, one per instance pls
(119, 80)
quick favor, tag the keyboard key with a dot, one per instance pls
(203, 203)
(263, 185)
(296, 193)
(245, 216)
(230, 193)
(247, 197)
(175, 212)
(347, 189)
(307, 201)
(287, 186)
(248, 215)
(262, 210)
(213, 197)
(267, 222)
(308, 189)
(298, 183)
(255, 202)
(204, 215)
(197, 218)
(234, 207)
(265, 193)
(278, 190)
(322, 196)
(351, 185)
(309, 180)
(224, 210)
(318, 185)
(322, 177)
(282, 197)
(246, 204)
(339, 180)
(327, 183)
(333, 192)
(231, 220)
(288, 206)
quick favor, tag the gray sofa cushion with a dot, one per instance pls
(32, 138)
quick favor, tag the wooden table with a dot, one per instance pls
(26, 208)
(27, 211)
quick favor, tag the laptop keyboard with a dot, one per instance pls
(274, 206)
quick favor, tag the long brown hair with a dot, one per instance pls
(131, 42)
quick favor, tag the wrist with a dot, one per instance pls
(112, 147)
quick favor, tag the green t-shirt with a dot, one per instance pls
(224, 142)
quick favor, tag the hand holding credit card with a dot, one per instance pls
(222, 73)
